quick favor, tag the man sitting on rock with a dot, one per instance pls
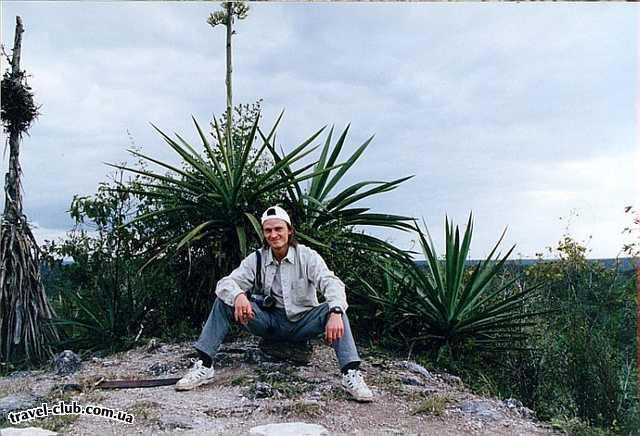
(288, 310)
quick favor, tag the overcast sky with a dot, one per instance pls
(524, 114)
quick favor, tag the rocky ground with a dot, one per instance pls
(252, 389)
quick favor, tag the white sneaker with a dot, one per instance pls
(354, 384)
(198, 375)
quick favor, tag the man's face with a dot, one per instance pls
(276, 233)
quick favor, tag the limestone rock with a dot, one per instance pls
(411, 380)
(418, 369)
(512, 403)
(451, 379)
(21, 374)
(233, 411)
(481, 409)
(518, 407)
(176, 422)
(159, 368)
(289, 429)
(272, 366)
(14, 402)
(66, 362)
(315, 395)
(263, 390)
(27, 431)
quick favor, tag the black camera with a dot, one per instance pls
(264, 301)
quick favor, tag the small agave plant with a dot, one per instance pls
(444, 305)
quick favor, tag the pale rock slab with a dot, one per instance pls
(289, 429)
(27, 431)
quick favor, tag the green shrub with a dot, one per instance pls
(576, 427)
(100, 298)
(580, 361)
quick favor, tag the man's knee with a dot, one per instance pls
(258, 328)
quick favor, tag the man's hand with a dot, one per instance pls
(334, 328)
(243, 311)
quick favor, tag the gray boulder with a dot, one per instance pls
(417, 369)
(15, 402)
(289, 429)
(66, 363)
(481, 409)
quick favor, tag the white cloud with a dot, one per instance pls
(521, 113)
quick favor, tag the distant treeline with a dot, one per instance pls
(623, 264)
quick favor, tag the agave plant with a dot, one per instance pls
(381, 303)
(317, 206)
(445, 304)
(216, 194)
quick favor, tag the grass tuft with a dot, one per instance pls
(434, 405)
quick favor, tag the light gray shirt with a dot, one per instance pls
(303, 272)
(276, 287)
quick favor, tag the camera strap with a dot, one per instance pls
(257, 284)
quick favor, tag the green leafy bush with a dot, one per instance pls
(94, 283)
(579, 366)
(592, 339)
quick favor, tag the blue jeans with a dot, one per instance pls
(273, 324)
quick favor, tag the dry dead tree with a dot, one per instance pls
(25, 330)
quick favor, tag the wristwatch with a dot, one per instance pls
(336, 309)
